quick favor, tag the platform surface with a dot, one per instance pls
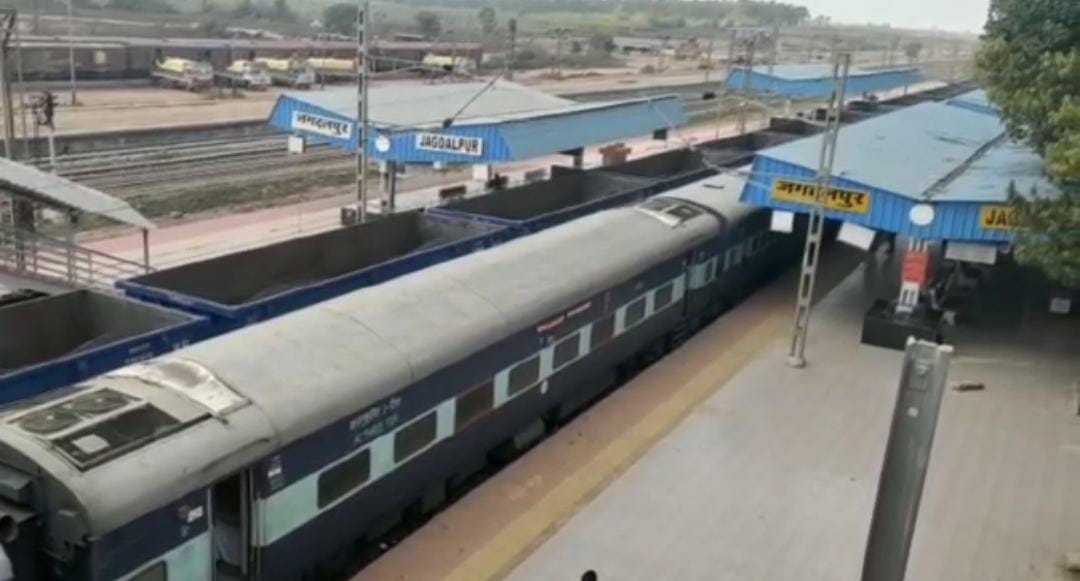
(774, 476)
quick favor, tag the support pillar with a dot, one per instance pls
(577, 157)
(913, 276)
(69, 250)
(390, 187)
(482, 172)
(146, 249)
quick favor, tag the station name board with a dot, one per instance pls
(998, 218)
(838, 199)
(321, 125)
(473, 146)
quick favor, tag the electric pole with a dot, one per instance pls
(362, 108)
(731, 54)
(8, 24)
(746, 85)
(812, 250)
(511, 32)
(708, 60)
(774, 48)
(71, 52)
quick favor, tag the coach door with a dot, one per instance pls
(231, 526)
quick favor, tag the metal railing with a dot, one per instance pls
(34, 255)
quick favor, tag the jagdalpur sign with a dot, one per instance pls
(998, 218)
(838, 199)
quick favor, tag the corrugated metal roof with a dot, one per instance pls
(977, 101)
(530, 136)
(815, 80)
(814, 71)
(513, 122)
(57, 191)
(906, 152)
(987, 177)
(428, 105)
(957, 158)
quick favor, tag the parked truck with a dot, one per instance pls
(441, 64)
(183, 74)
(333, 69)
(248, 74)
(294, 72)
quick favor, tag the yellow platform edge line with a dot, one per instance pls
(517, 540)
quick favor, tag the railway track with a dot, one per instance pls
(184, 174)
(170, 167)
(149, 170)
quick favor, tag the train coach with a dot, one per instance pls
(262, 453)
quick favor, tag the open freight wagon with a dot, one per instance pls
(532, 207)
(254, 285)
(60, 340)
(574, 193)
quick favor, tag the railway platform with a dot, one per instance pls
(774, 476)
(720, 462)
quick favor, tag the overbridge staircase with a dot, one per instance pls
(37, 260)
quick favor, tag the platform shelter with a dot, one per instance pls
(936, 175)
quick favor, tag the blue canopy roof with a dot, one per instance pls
(955, 156)
(470, 122)
(815, 80)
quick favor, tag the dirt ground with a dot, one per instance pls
(112, 109)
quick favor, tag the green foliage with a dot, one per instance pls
(244, 9)
(912, 50)
(666, 11)
(1027, 44)
(487, 20)
(1030, 65)
(155, 6)
(602, 43)
(429, 24)
(1050, 239)
(282, 12)
(340, 18)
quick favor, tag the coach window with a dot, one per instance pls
(663, 296)
(344, 477)
(473, 404)
(414, 437)
(155, 572)
(603, 330)
(635, 312)
(523, 375)
(567, 350)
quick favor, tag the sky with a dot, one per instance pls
(956, 15)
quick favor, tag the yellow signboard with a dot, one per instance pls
(998, 218)
(838, 199)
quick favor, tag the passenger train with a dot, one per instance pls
(264, 453)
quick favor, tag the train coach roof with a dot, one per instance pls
(719, 193)
(302, 371)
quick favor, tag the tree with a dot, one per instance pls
(429, 24)
(244, 9)
(487, 20)
(340, 19)
(602, 43)
(160, 6)
(282, 11)
(912, 50)
(1030, 66)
